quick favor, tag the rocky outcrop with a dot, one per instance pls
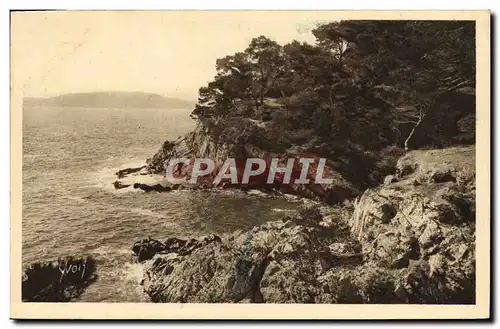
(145, 249)
(119, 185)
(424, 224)
(58, 281)
(124, 172)
(235, 268)
(241, 139)
(410, 240)
(155, 187)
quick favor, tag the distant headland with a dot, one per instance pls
(110, 99)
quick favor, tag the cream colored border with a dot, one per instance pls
(272, 311)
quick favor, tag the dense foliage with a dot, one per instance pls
(369, 83)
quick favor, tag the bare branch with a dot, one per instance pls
(405, 121)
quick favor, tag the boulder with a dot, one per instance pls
(124, 172)
(145, 249)
(119, 185)
(149, 188)
(62, 280)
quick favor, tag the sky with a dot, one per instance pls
(165, 52)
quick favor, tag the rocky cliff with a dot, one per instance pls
(409, 240)
(243, 138)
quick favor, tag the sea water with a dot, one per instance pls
(70, 207)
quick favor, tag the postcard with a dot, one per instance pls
(250, 164)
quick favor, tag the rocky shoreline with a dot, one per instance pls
(384, 109)
(200, 143)
(409, 240)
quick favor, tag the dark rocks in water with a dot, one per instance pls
(149, 188)
(124, 172)
(174, 244)
(161, 188)
(145, 249)
(176, 186)
(119, 185)
(58, 281)
(194, 244)
(144, 187)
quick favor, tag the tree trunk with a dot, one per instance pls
(283, 96)
(262, 87)
(411, 134)
(285, 102)
(330, 96)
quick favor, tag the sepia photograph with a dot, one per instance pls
(218, 159)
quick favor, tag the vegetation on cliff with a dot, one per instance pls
(373, 83)
(365, 93)
(368, 96)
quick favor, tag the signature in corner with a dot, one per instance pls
(70, 267)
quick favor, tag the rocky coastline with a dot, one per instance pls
(391, 108)
(410, 239)
(200, 143)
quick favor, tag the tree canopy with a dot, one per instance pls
(373, 83)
